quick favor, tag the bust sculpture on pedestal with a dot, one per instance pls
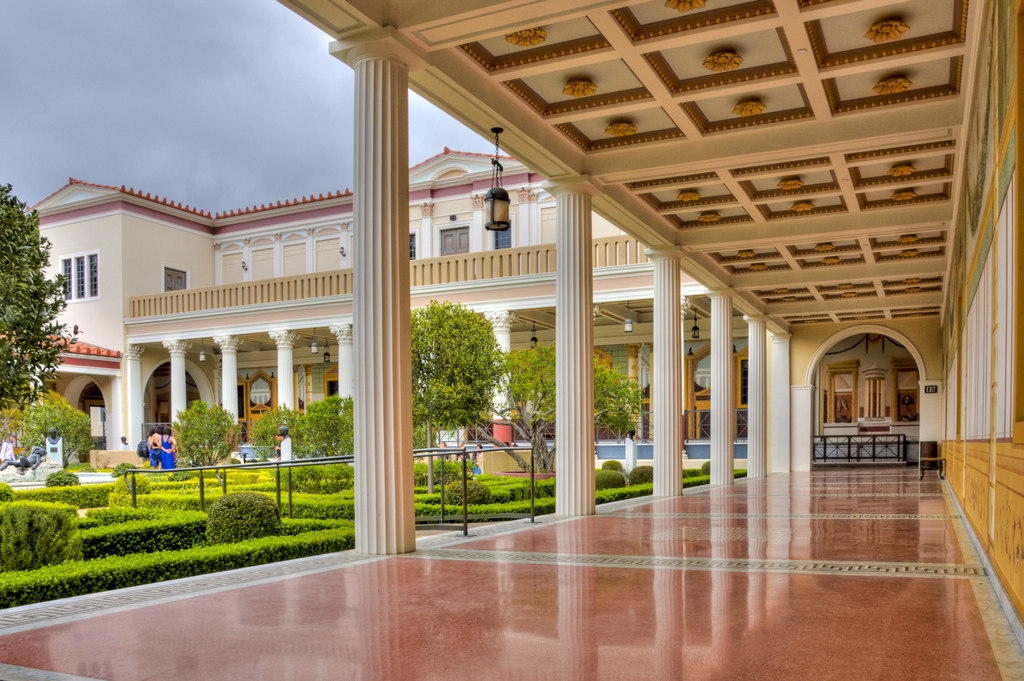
(284, 444)
(55, 447)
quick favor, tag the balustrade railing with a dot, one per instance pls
(859, 448)
(698, 424)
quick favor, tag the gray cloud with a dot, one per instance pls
(215, 104)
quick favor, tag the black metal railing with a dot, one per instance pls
(698, 424)
(859, 448)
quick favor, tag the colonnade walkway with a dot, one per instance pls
(840, 575)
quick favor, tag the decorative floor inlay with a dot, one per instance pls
(728, 564)
(9, 672)
(835, 496)
(722, 534)
(798, 516)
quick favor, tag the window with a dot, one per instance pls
(503, 239)
(412, 246)
(81, 276)
(175, 280)
(455, 241)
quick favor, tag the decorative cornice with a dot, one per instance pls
(689, 224)
(587, 144)
(678, 179)
(773, 167)
(531, 56)
(638, 32)
(895, 151)
(581, 104)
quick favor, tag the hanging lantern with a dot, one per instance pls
(496, 201)
(695, 330)
(202, 355)
(627, 325)
(314, 349)
(327, 353)
(533, 339)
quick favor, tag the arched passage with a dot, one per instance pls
(157, 390)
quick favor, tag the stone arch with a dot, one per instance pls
(842, 334)
(206, 392)
(73, 391)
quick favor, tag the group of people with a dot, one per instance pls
(162, 447)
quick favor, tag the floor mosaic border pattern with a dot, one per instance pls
(795, 516)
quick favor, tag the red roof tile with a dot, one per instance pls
(86, 349)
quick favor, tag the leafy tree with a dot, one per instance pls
(263, 432)
(206, 435)
(53, 411)
(326, 428)
(10, 422)
(30, 336)
(528, 387)
(455, 363)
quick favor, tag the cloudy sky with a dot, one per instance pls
(217, 104)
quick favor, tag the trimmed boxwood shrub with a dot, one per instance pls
(241, 516)
(33, 536)
(82, 496)
(641, 475)
(609, 480)
(6, 493)
(62, 479)
(705, 468)
(607, 495)
(611, 465)
(120, 468)
(122, 496)
(476, 493)
(118, 514)
(691, 472)
(169, 532)
(117, 572)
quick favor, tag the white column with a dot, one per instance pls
(667, 381)
(179, 397)
(477, 234)
(425, 247)
(780, 403)
(113, 430)
(384, 517)
(285, 368)
(501, 324)
(574, 348)
(228, 373)
(757, 397)
(133, 375)
(802, 426)
(723, 413)
(343, 332)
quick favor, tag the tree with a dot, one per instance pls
(53, 411)
(10, 422)
(528, 387)
(30, 336)
(326, 428)
(263, 432)
(206, 435)
(455, 363)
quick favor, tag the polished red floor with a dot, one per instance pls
(497, 608)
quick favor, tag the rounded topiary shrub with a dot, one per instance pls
(691, 473)
(705, 468)
(34, 536)
(611, 465)
(641, 475)
(62, 479)
(609, 480)
(6, 493)
(476, 493)
(240, 516)
(120, 468)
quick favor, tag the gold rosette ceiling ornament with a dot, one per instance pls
(622, 127)
(803, 207)
(684, 5)
(789, 183)
(758, 267)
(910, 253)
(709, 217)
(904, 195)
(902, 170)
(527, 37)
(825, 247)
(579, 87)
(746, 255)
(749, 107)
(909, 239)
(688, 195)
(723, 60)
(893, 85)
(831, 260)
(887, 29)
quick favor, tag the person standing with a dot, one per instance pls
(154, 447)
(7, 449)
(168, 446)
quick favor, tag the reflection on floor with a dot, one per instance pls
(848, 575)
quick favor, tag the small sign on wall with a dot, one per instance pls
(931, 389)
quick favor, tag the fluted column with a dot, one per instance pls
(723, 415)
(179, 397)
(133, 376)
(113, 429)
(667, 381)
(228, 373)
(757, 397)
(780, 403)
(343, 332)
(285, 379)
(574, 348)
(501, 324)
(384, 518)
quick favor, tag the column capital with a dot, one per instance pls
(343, 332)
(133, 351)
(283, 338)
(721, 293)
(781, 337)
(378, 43)
(478, 201)
(633, 349)
(664, 252)
(501, 320)
(227, 343)
(176, 347)
(755, 318)
(427, 208)
(571, 184)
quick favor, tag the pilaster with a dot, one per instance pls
(343, 333)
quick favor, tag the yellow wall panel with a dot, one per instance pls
(1007, 546)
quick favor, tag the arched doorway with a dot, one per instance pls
(157, 392)
(85, 394)
(865, 399)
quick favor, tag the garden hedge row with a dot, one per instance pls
(76, 578)
(169, 532)
(83, 496)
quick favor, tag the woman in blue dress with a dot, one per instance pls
(168, 445)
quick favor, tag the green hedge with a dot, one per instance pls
(606, 495)
(84, 577)
(292, 526)
(117, 514)
(67, 508)
(170, 532)
(84, 496)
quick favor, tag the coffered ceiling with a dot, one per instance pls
(803, 152)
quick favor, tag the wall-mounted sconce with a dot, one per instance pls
(244, 266)
(342, 250)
